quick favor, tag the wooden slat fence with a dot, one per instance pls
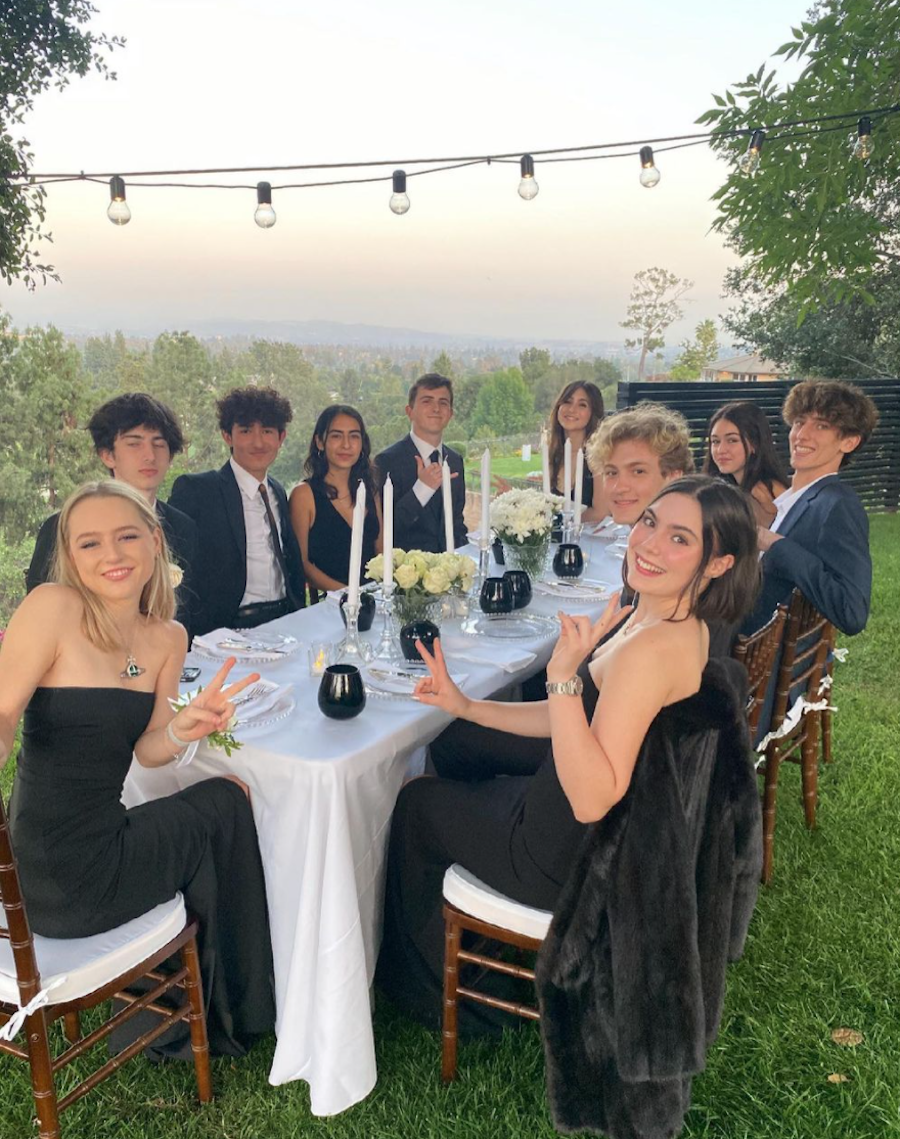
(874, 475)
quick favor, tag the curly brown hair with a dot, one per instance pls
(247, 406)
(843, 405)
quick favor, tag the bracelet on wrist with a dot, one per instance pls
(174, 740)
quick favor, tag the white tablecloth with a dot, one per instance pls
(323, 792)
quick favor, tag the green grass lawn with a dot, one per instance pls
(823, 953)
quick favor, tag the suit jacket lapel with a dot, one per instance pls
(234, 509)
(801, 506)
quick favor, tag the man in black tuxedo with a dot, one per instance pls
(136, 438)
(248, 566)
(819, 541)
(415, 464)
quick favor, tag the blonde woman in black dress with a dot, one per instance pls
(93, 661)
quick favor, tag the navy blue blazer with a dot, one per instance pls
(418, 527)
(824, 552)
(213, 500)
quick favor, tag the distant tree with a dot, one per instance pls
(652, 308)
(181, 372)
(44, 43)
(606, 372)
(45, 451)
(443, 365)
(816, 221)
(696, 354)
(535, 363)
(504, 404)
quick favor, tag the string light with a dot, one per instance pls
(650, 176)
(863, 144)
(528, 188)
(399, 202)
(265, 215)
(118, 211)
(750, 161)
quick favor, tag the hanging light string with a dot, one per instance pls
(455, 162)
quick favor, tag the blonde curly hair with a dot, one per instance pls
(665, 432)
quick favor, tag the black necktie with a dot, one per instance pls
(276, 545)
(435, 456)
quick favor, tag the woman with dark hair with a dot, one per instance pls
(575, 416)
(322, 507)
(619, 693)
(741, 450)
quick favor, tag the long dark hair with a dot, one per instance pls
(558, 435)
(728, 528)
(316, 465)
(763, 464)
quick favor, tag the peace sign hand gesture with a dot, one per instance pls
(577, 639)
(212, 709)
(438, 689)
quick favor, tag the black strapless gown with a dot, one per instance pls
(87, 864)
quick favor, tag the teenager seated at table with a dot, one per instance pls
(575, 416)
(740, 449)
(322, 506)
(668, 722)
(93, 662)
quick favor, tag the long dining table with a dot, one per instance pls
(323, 792)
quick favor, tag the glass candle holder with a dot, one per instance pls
(320, 654)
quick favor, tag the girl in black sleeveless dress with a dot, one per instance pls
(86, 863)
(322, 507)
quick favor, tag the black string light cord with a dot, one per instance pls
(774, 132)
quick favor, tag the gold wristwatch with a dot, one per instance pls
(573, 687)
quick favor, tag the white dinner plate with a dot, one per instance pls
(511, 626)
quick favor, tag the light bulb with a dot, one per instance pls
(863, 145)
(750, 161)
(650, 176)
(118, 211)
(399, 201)
(264, 215)
(528, 187)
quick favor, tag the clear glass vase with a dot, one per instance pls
(414, 606)
(530, 556)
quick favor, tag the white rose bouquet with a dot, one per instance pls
(422, 579)
(522, 520)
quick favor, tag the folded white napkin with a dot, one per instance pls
(507, 657)
(245, 644)
(391, 680)
(264, 702)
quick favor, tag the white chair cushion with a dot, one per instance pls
(87, 963)
(473, 897)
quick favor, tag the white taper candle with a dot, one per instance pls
(567, 477)
(486, 498)
(387, 531)
(449, 543)
(579, 485)
(356, 537)
(545, 461)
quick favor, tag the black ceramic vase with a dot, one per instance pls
(568, 561)
(520, 585)
(425, 631)
(496, 596)
(366, 611)
(342, 694)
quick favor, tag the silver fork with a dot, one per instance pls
(252, 693)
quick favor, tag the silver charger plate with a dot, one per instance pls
(511, 626)
(278, 712)
(265, 648)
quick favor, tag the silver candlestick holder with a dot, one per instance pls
(388, 648)
(352, 649)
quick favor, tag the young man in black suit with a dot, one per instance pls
(415, 464)
(819, 541)
(136, 438)
(248, 566)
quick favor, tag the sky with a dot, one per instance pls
(211, 83)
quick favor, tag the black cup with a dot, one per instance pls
(556, 533)
(342, 694)
(520, 584)
(496, 596)
(425, 631)
(568, 561)
(497, 548)
(366, 611)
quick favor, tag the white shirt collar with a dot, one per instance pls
(247, 483)
(424, 448)
(787, 498)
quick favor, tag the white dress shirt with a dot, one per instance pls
(265, 581)
(421, 490)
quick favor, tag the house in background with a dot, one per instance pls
(747, 368)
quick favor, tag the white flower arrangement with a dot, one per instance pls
(425, 573)
(523, 517)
